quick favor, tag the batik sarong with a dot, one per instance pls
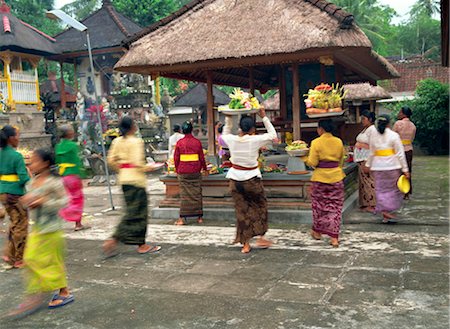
(366, 187)
(389, 197)
(44, 262)
(133, 227)
(327, 202)
(18, 228)
(251, 209)
(74, 188)
(191, 203)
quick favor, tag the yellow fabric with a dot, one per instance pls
(44, 262)
(326, 148)
(384, 153)
(189, 157)
(64, 166)
(289, 138)
(10, 178)
(406, 142)
(129, 150)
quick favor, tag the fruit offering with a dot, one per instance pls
(297, 145)
(324, 99)
(241, 100)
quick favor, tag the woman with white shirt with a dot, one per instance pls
(246, 185)
(386, 161)
(367, 200)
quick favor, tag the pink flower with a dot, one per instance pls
(248, 105)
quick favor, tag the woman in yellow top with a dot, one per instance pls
(326, 156)
(127, 156)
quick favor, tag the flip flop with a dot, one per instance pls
(22, 311)
(151, 250)
(64, 300)
(84, 227)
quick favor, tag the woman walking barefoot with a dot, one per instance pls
(326, 156)
(387, 161)
(127, 156)
(44, 253)
(13, 177)
(68, 160)
(367, 200)
(246, 185)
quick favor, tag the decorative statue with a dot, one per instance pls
(80, 106)
(90, 86)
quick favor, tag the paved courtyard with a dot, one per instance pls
(382, 276)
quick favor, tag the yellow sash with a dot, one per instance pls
(189, 157)
(64, 166)
(384, 153)
(406, 142)
(9, 178)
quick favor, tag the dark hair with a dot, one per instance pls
(220, 129)
(186, 127)
(406, 111)
(369, 115)
(246, 124)
(46, 155)
(5, 133)
(382, 122)
(125, 125)
(327, 125)
(176, 128)
(64, 130)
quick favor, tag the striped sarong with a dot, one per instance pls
(191, 203)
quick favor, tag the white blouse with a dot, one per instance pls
(361, 154)
(244, 150)
(388, 140)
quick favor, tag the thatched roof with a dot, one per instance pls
(365, 91)
(196, 97)
(21, 37)
(107, 29)
(224, 34)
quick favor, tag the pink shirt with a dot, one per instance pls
(407, 131)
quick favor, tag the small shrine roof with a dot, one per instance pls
(21, 37)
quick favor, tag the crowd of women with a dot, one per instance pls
(35, 194)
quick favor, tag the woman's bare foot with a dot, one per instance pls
(264, 243)
(146, 248)
(316, 235)
(30, 305)
(80, 227)
(334, 242)
(246, 248)
(200, 220)
(180, 222)
(388, 216)
(109, 246)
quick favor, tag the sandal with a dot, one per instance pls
(64, 300)
(82, 228)
(179, 222)
(150, 249)
(27, 308)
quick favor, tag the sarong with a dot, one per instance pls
(18, 228)
(250, 204)
(191, 204)
(409, 159)
(366, 187)
(327, 202)
(44, 262)
(74, 188)
(132, 229)
(389, 197)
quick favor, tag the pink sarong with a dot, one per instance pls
(327, 202)
(74, 188)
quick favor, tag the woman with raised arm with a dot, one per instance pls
(245, 178)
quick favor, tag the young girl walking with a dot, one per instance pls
(44, 252)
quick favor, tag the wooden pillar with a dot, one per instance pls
(7, 60)
(282, 92)
(251, 79)
(75, 75)
(358, 115)
(157, 92)
(62, 92)
(296, 101)
(323, 78)
(210, 113)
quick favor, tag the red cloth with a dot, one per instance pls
(189, 145)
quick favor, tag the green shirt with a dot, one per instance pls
(12, 163)
(67, 151)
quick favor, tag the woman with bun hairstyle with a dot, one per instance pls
(367, 200)
(13, 177)
(386, 161)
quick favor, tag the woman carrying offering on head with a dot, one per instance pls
(326, 156)
(245, 178)
(387, 161)
(189, 163)
(13, 177)
(367, 200)
(127, 156)
(69, 163)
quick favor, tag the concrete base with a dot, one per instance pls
(275, 215)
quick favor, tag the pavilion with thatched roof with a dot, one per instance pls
(289, 45)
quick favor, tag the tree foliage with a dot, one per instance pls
(80, 9)
(430, 114)
(33, 13)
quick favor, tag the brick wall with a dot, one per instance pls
(413, 70)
